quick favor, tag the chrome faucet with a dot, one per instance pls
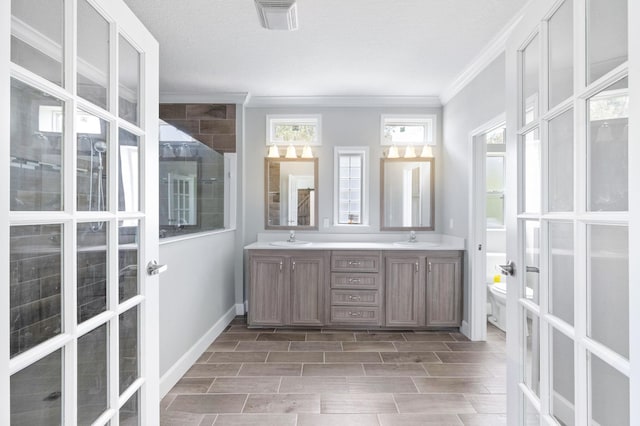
(292, 237)
(412, 237)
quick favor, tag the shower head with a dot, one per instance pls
(100, 146)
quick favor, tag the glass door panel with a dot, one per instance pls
(92, 266)
(530, 81)
(93, 55)
(561, 258)
(129, 82)
(129, 354)
(93, 379)
(129, 413)
(562, 399)
(607, 45)
(561, 54)
(609, 394)
(560, 160)
(532, 172)
(532, 261)
(92, 162)
(532, 351)
(129, 167)
(128, 251)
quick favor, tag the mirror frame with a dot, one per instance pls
(432, 185)
(267, 161)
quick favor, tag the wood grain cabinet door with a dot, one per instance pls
(268, 293)
(444, 287)
(404, 291)
(307, 289)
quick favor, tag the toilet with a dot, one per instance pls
(498, 302)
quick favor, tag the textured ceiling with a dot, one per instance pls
(343, 47)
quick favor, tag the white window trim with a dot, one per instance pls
(364, 208)
(399, 119)
(294, 119)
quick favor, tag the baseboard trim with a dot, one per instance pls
(177, 370)
(464, 329)
(240, 310)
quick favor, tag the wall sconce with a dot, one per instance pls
(410, 152)
(273, 152)
(306, 152)
(166, 151)
(291, 152)
(427, 152)
(393, 152)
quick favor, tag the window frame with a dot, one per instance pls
(363, 151)
(430, 121)
(293, 119)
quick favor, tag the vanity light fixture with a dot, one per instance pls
(273, 152)
(410, 152)
(306, 152)
(393, 152)
(291, 152)
(427, 152)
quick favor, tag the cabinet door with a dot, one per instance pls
(404, 291)
(444, 287)
(267, 297)
(307, 289)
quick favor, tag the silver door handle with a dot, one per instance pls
(507, 269)
(154, 269)
(533, 269)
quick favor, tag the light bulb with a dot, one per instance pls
(273, 152)
(410, 152)
(427, 152)
(291, 152)
(393, 152)
(306, 152)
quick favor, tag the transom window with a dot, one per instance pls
(294, 129)
(407, 129)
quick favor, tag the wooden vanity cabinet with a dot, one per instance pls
(444, 292)
(404, 290)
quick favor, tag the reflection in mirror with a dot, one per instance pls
(407, 194)
(291, 193)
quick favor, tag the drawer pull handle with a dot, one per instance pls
(354, 280)
(355, 314)
(354, 297)
(354, 262)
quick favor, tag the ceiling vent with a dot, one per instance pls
(278, 14)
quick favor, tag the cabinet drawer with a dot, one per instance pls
(355, 315)
(355, 297)
(355, 261)
(346, 280)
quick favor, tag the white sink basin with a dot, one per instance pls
(290, 243)
(416, 244)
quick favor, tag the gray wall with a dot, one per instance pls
(340, 127)
(479, 102)
(196, 290)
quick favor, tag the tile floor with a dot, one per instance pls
(341, 378)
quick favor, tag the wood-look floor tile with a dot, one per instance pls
(368, 347)
(380, 385)
(380, 337)
(208, 419)
(316, 346)
(171, 418)
(420, 346)
(212, 370)
(483, 419)
(337, 420)
(282, 337)
(314, 385)
(433, 403)
(245, 385)
(275, 369)
(245, 329)
(497, 369)
(370, 357)
(297, 330)
(208, 403)
(429, 337)
(192, 385)
(295, 357)
(419, 419)
(262, 346)
(407, 357)
(473, 346)
(459, 337)
(358, 403)
(449, 385)
(239, 320)
(394, 370)
(332, 370)
(489, 404)
(457, 370)
(331, 337)
(457, 357)
(237, 357)
(203, 358)
(167, 400)
(256, 420)
(222, 346)
(283, 403)
(495, 384)
(234, 337)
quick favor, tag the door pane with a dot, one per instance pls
(36, 393)
(608, 286)
(608, 141)
(35, 285)
(37, 121)
(562, 378)
(561, 54)
(609, 394)
(606, 36)
(531, 415)
(532, 154)
(128, 245)
(561, 271)
(93, 55)
(129, 82)
(128, 348)
(532, 261)
(37, 37)
(532, 352)
(93, 137)
(92, 269)
(129, 181)
(130, 411)
(93, 379)
(560, 159)
(530, 80)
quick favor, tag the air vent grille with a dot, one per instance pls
(277, 14)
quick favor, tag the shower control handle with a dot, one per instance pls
(153, 268)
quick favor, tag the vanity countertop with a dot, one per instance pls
(343, 245)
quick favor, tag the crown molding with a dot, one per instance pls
(488, 54)
(343, 101)
(203, 98)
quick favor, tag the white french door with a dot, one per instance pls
(573, 295)
(78, 119)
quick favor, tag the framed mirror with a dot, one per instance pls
(407, 195)
(179, 180)
(291, 193)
